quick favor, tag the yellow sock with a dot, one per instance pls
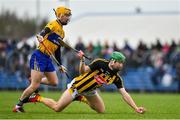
(40, 99)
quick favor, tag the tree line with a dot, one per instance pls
(13, 27)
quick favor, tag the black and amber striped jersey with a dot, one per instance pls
(51, 39)
(99, 74)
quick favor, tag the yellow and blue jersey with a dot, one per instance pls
(40, 59)
(51, 39)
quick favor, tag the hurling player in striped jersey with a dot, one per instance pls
(84, 87)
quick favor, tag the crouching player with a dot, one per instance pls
(93, 76)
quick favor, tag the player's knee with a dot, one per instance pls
(99, 110)
(56, 109)
(54, 83)
(102, 110)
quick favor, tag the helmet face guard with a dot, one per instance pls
(118, 56)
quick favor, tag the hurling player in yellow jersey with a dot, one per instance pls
(40, 62)
(93, 76)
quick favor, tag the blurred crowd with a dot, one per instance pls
(162, 59)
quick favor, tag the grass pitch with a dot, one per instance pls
(159, 106)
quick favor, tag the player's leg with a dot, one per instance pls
(36, 77)
(96, 103)
(50, 74)
(81, 98)
(50, 78)
(58, 106)
(29, 79)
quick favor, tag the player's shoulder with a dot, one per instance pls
(119, 76)
(54, 26)
(98, 63)
(52, 22)
(100, 60)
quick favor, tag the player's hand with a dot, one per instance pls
(141, 110)
(62, 69)
(81, 55)
(40, 38)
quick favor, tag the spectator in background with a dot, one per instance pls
(90, 49)
(115, 47)
(156, 59)
(106, 50)
(165, 48)
(72, 65)
(139, 56)
(97, 49)
(13, 61)
(3, 47)
(24, 50)
(178, 74)
(166, 53)
(173, 45)
(176, 62)
(2, 61)
(127, 49)
(80, 45)
(142, 46)
(11, 45)
(158, 44)
(167, 78)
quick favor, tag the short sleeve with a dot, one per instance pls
(118, 82)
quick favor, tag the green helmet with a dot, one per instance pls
(118, 56)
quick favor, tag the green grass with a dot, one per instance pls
(159, 106)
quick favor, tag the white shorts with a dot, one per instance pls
(75, 93)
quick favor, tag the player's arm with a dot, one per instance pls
(45, 31)
(48, 28)
(58, 58)
(94, 65)
(41, 35)
(128, 99)
(58, 55)
(82, 66)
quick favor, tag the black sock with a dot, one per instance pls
(25, 100)
(21, 102)
(36, 91)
